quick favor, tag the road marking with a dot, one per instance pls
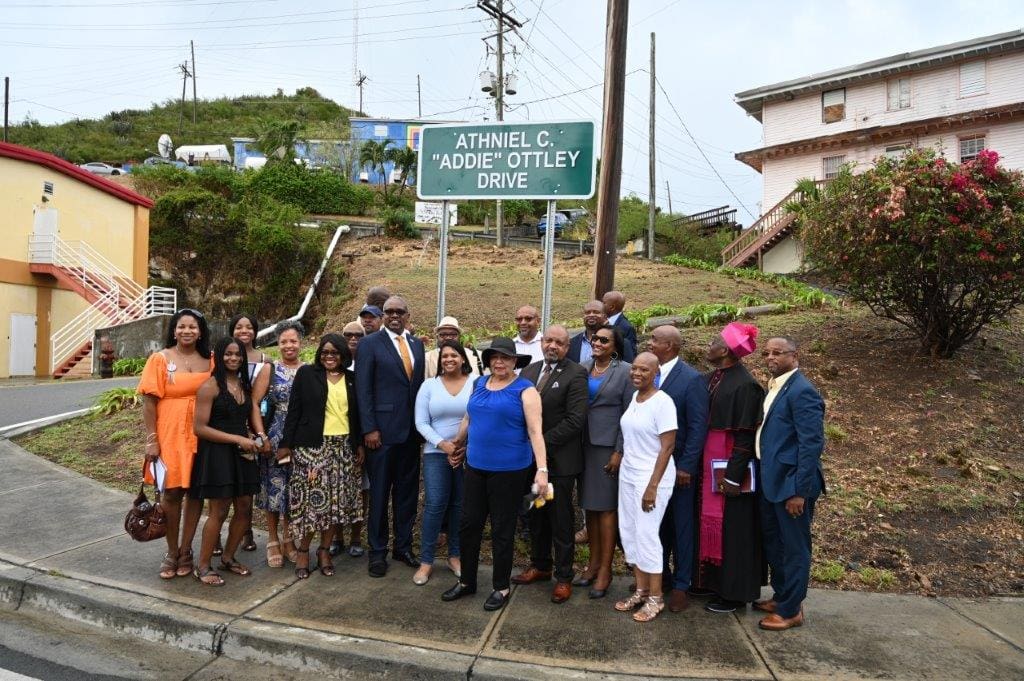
(18, 428)
(7, 675)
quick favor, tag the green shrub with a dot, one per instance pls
(834, 432)
(129, 366)
(829, 572)
(117, 399)
(877, 577)
(398, 223)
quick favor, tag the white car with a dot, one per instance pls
(102, 168)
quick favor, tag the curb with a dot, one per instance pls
(26, 427)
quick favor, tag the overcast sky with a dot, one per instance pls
(85, 58)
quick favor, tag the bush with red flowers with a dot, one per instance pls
(933, 245)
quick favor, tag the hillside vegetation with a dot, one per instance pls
(131, 134)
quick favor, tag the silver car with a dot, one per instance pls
(102, 168)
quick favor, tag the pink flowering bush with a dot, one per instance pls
(933, 245)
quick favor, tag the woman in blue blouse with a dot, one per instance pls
(505, 438)
(440, 406)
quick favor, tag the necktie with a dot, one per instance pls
(545, 375)
(403, 350)
(657, 380)
(771, 385)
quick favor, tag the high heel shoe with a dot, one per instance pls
(302, 571)
(583, 580)
(326, 569)
(595, 593)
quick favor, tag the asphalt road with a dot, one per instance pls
(20, 403)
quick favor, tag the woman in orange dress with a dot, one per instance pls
(169, 384)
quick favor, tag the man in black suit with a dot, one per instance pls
(593, 319)
(562, 385)
(389, 372)
(614, 302)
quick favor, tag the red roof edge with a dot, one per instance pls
(20, 153)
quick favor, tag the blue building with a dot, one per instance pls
(400, 132)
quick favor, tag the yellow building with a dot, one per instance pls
(74, 257)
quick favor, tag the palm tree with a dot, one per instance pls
(374, 155)
(277, 139)
(404, 160)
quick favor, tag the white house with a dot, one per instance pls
(959, 98)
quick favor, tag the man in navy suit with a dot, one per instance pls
(686, 387)
(789, 444)
(593, 319)
(389, 372)
(614, 302)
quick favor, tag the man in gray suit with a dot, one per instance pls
(562, 385)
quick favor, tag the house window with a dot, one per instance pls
(897, 150)
(899, 94)
(970, 146)
(833, 105)
(972, 78)
(830, 166)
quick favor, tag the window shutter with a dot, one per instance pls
(833, 105)
(972, 78)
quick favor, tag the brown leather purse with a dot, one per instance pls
(145, 521)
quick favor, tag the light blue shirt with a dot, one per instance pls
(438, 413)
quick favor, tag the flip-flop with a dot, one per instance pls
(184, 563)
(234, 567)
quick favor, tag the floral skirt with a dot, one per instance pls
(324, 487)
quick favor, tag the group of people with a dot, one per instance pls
(704, 480)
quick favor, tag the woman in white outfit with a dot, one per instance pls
(646, 478)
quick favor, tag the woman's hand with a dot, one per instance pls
(283, 453)
(647, 502)
(248, 446)
(457, 458)
(448, 447)
(360, 456)
(541, 480)
(614, 461)
(265, 449)
(152, 452)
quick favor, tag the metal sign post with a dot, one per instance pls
(442, 263)
(549, 266)
(548, 161)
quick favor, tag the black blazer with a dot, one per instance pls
(629, 334)
(387, 396)
(307, 407)
(563, 404)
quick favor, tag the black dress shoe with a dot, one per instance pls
(378, 568)
(336, 548)
(583, 581)
(698, 592)
(457, 592)
(723, 606)
(496, 601)
(597, 593)
(408, 558)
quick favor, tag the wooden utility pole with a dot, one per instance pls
(194, 99)
(419, 97)
(651, 195)
(610, 181)
(7, 102)
(668, 190)
(499, 104)
(359, 84)
(184, 82)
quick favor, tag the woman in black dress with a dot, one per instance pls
(225, 470)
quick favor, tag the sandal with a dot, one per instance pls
(633, 602)
(326, 569)
(208, 576)
(218, 548)
(274, 560)
(302, 571)
(169, 567)
(184, 563)
(291, 552)
(248, 543)
(356, 550)
(234, 567)
(651, 608)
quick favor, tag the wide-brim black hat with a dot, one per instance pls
(507, 347)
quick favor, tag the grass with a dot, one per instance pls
(829, 572)
(877, 578)
(835, 432)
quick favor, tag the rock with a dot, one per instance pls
(974, 376)
(831, 371)
(994, 469)
(853, 566)
(926, 583)
(887, 527)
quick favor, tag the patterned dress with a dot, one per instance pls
(273, 494)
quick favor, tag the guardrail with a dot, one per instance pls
(561, 245)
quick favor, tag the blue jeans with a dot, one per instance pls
(442, 500)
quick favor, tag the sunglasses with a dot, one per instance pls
(603, 340)
(351, 334)
(395, 312)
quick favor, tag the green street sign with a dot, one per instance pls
(506, 161)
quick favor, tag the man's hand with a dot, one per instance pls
(729, 490)
(372, 439)
(683, 479)
(795, 506)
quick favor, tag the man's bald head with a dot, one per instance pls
(665, 342)
(377, 296)
(613, 302)
(528, 322)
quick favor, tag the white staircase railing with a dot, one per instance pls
(116, 297)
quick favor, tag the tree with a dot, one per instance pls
(374, 155)
(404, 160)
(276, 139)
(933, 245)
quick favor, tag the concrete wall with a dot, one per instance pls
(143, 337)
(935, 92)
(786, 257)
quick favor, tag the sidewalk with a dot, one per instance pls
(63, 552)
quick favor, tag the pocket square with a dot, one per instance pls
(554, 385)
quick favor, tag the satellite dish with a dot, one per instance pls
(165, 146)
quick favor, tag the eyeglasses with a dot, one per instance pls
(353, 335)
(520, 320)
(777, 353)
(603, 340)
(395, 312)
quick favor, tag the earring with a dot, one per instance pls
(615, 356)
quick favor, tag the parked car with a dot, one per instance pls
(560, 222)
(102, 168)
(574, 214)
(160, 161)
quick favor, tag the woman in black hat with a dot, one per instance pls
(503, 438)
